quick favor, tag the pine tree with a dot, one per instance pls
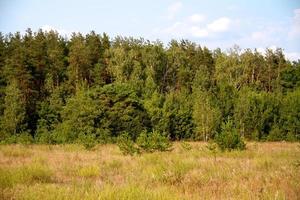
(13, 119)
(55, 57)
(79, 69)
(78, 117)
(2, 75)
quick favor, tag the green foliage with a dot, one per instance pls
(146, 141)
(153, 141)
(49, 118)
(290, 77)
(28, 174)
(78, 117)
(290, 114)
(225, 94)
(176, 119)
(276, 134)
(127, 145)
(153, 106)
(186, 146)
(24, 138)
(206, 116)
(121, 110)
(212, 147)
(20, 138)
(89, 141)
(256, 113)
(79, 68)
(89, 89)
(229, 138)
(103, 136)
(13, 119)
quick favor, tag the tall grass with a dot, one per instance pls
(15, 151)
(28, 174)
(189, 171)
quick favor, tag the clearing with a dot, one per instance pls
(189, 171)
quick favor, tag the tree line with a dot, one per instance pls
(95, 88)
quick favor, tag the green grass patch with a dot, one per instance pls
(88, 171)
(28, 174)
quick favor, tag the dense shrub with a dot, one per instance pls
(276, 134)
(22, 138)
(229, 138)
(119, 110)
(290, 115)
(256, 113)
(126, 144)
(88, 141)
(153, 141)
(146, 142)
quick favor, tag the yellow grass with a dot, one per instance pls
(189, 171)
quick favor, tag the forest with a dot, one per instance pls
(93, 89)
(89, 116)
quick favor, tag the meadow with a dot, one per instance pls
(190, 170)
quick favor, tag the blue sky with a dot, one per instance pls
(249, 24)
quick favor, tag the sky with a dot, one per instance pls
(251, 24)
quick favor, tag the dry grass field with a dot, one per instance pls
(263, 171)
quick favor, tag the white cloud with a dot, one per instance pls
(264, 36)
(273, 47)
(259, 35)
(198, 32)
(174, 9)
(189, 27)
(219, 25)
(261, 50)
(295, 29)
(196, 18)
(62, 32)
(178, 29)
(292, 56)
(48, 28)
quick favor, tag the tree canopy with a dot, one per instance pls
(65, 90)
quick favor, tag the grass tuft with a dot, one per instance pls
(88, 171)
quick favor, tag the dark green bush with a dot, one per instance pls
(89, 141)
(276, 134)
(153, 141)
(144, 142)
(291, 137)
(126, 144)
(22, 138)
(229, 138)
(103, 136)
